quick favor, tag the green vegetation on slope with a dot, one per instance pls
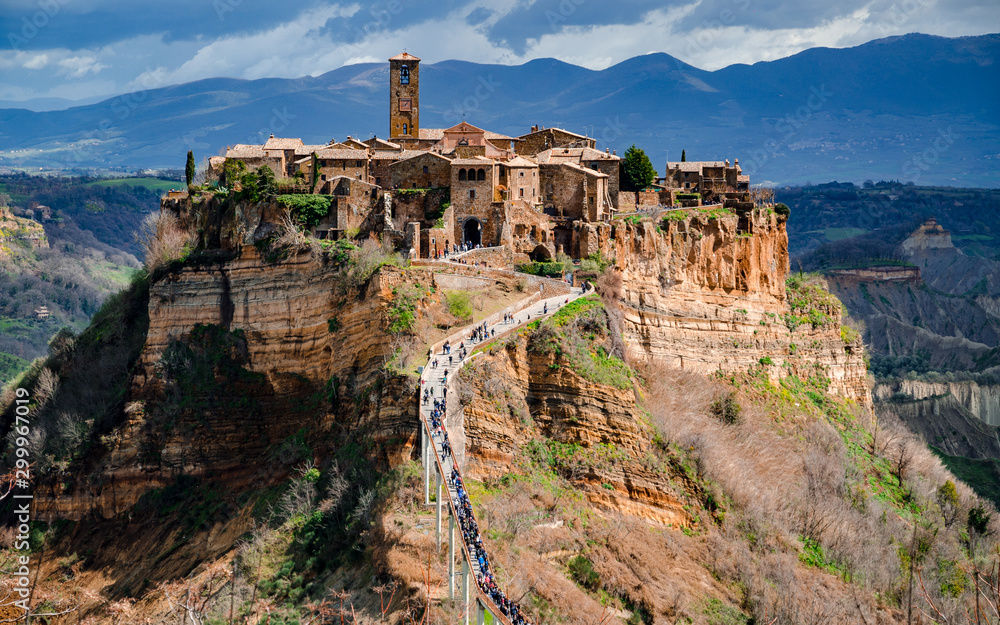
(982, 475)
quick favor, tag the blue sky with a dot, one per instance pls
(80, 49)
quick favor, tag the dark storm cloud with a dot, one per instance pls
(387, 16)
(76, 24)
(543, 17)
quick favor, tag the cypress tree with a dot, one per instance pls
(190, 170)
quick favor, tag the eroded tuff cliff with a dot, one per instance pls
(707, 293)
(304, 352)
(516, 396)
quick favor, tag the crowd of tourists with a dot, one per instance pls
(463, 507)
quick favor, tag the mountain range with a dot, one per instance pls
(914, 108)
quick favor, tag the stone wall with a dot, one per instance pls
(421, 172)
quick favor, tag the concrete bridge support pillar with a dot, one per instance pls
(438, 497)
(466, 578)
(428, 458)
(451, 557)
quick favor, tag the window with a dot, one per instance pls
(359, 164)
(404, 75)
(378, 181)
(406, 129)
(521, 192)
(481, 174)
(521, 174)
(472, 194)
(425, 169)
(461, 174)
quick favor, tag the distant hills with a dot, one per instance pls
(915, 107)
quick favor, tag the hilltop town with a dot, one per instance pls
(444, 189)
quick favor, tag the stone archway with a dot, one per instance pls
(540, 254)
(472, 232)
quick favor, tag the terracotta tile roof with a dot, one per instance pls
(743, 178)
(520, 161)
(693, 165)
(381, 144)
(242, 150)
(385, 155)
(307, 150)
(479, 160)
(282, 144)
(342, 154)
(584, 170)
(497, 136)
(559, 129)
(405, 56)
(411, 154)
(559, 155)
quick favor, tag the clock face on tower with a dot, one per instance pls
(405, 104)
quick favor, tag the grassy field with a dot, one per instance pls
(153, 184)
(10, 367)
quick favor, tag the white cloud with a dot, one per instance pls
(80, 66)
(35, 61)
(299, 46)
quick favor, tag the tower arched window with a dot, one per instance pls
(406, 129)
(481, 174)
(461, 174)
(404, 75)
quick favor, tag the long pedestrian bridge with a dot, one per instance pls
(478, 587)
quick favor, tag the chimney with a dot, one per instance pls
(272, 135)
(607, 150)
(614, 152)
(727, 162)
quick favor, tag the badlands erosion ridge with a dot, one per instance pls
(454, 376)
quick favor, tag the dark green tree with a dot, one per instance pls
(190, 169)
(315, 170)
(684, 156)
(637, 170)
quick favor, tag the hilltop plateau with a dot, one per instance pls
(237, 433)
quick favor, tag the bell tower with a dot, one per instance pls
(404, 97)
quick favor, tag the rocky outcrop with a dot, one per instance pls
(314, 354)
(707, 293)
(510, 397)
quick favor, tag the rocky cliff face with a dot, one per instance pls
(708, 293)
(512, 398)
(309, 352)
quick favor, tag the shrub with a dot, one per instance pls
(459, 304)
(727, 409)
(581, 570)
(163, 240)
(782, 210)
(308, 210)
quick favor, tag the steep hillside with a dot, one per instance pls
(56, 274)
(235, 435)
(871, 111)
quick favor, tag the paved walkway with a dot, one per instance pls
(433, 415)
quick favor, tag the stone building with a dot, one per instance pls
(547, 191)
(424, 170)
(542, 139)
(285, 150)
(519, 178)
(604, 162)
(404, 98)
(574, 192)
